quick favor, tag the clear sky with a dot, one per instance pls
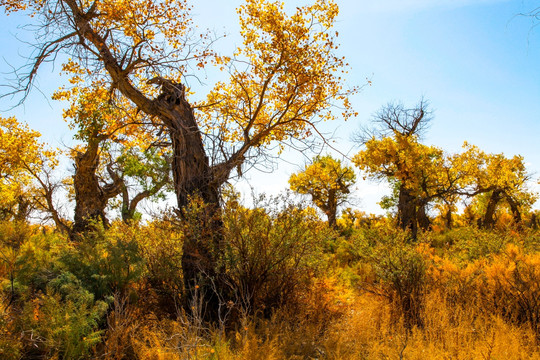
(476, 61)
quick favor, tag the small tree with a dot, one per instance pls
(26, 165)
(499, 179)
(328, 183)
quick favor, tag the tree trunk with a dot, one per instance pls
(514, 207)
(407, 217)
(448, 218)
(331, 209)
(90, 197)
(488, 221)
(424, 221)
(331, 215)
(198, 200)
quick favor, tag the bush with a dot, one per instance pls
(401, 273)
(512, 287)
(106, 262)
(64, 322)
(161, 247)
(270, 251)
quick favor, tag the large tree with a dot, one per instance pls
(392, 152)
(284, 79)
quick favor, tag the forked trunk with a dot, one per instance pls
(90, 197)
(488, 222)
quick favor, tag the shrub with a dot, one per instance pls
(270, 251)
(401, 272)
(161, 247)
(106, 262)
(64, 322)
(512, 287)
(10, 345)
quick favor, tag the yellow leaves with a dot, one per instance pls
(326, 180)
(402, 158)
(428, 173)
(14, 137)
(290, 79)
(22, 156)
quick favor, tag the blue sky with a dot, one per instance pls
(477, 62)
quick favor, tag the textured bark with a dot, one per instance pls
(448, 218)
(488, 222)
(193, 179)
(90, 197)
(407, 216)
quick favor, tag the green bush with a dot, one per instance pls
(64, 322)
(106, 261)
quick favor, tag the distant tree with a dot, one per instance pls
(498, 178)
(26, 165)
(418, 173)
(327, 181)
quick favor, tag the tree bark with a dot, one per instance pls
(448, 218)
(90, 197)
(424, 221)
(194, 181)
(488, 222)
(331, 209)
(407, 215)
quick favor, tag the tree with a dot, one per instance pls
(150, 175)
(392, 152)
(25, 175)
(99, 124)
(328, 183)
(499, 178)
(283, 80)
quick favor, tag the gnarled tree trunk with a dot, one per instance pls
(488, 222)
(90, 197)
(194, 180)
